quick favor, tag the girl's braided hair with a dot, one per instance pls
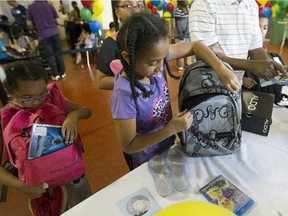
(140, 32)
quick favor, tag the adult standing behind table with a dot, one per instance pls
(181, 27)
(121, 10)
(231, 27)
(74, 20)
(18, 11)
(45, 19)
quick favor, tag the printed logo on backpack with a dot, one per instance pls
(216, 127)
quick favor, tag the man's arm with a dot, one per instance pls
(266, 68)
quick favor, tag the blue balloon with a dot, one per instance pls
(164, 6)
(267, 11)
(155, 2)
(94, 26)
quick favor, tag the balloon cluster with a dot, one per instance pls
(92, 13)
(273, 8)
(168, 8)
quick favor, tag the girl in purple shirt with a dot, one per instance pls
(140, 101)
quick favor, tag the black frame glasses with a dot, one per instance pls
(30, 100)
(128, 6)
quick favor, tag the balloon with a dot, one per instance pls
(154, 10)
(97, 18)
(268, 5)
(164, 6)
(262, 2)
(170, 7)
(159, 6)
(267, 12)
(87, 3)
(167, 16)
(146, 2)
(274, 8)
(189, 2)
(98, 8)
(273, 2)
(85, 14)
(150, 5)
(155, 2)
(94, 26)
(283, 4)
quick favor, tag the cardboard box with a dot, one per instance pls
(257, 111)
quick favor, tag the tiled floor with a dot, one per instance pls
(103, 157)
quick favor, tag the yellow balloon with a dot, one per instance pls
(189, 2)
(167, 16)
(274, 9)
(98, 8)
(172, 1)
(146, 2)
(263, 2)
(195, 209)
(97, 18)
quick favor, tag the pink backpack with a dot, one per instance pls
(56, 168)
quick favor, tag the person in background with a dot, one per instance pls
(250, 81)
(86, 39)
(46, 19)
(18, 11)
(74, 24)
(111, 31)
(121, 10)
(140, 102)
(231, 29)
(6, 52)
(27, 83)
(182, 27)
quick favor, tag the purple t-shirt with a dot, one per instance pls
(151, 114)
(44, 16)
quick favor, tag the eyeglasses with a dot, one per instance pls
(31, 100)
(131, 7)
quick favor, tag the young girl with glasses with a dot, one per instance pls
(27, 83)
(140, 101)
(121, 10)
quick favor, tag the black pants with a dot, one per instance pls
(48, 47)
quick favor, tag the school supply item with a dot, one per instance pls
(45, 139)
(224, 193)
(55, 169)
(275, 85)
(160, 174)
(195, 209)
(257, 110)
(139, 203)
(176, 165)
(277, 79)
(216, 128)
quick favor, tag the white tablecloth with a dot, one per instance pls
(260, 169)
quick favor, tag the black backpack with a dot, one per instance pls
(216, 127)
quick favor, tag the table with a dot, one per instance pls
(259, 168)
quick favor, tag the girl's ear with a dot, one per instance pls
(125, 55)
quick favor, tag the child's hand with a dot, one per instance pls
(248, 82)
(181, 121)
(229, 79)
(69, 127)
(35, 191)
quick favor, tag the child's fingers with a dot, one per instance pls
(181, 113)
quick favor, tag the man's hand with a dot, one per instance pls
(268, 69)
